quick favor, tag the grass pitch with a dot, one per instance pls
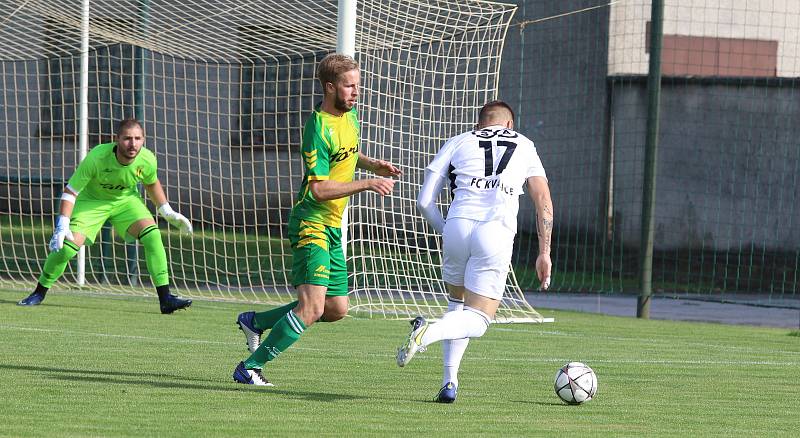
(85, 365)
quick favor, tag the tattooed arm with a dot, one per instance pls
(539, 192)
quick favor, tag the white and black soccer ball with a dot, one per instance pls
(575, 383)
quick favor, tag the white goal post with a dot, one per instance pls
(223, 88)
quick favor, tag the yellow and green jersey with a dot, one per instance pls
(100, 176)
(330, 151)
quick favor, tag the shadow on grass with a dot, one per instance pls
(206, 304)
(170, 381)
(99, 308)
(542, 403)
(312, 396)
(41, 369)
(432, 401)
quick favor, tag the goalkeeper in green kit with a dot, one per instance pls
(104, 187)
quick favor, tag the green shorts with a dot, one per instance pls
(89, 215)
(317, 256)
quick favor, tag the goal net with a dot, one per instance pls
(223, 88)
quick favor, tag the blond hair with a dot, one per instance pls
(334, 65)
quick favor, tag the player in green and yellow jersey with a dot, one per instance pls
(104, 187)
(331, 155)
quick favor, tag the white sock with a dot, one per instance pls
(466, 323)
(453, 349)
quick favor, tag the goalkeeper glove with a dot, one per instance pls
(175, 219)
(60, 233)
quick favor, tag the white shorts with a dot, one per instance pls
(477, 255)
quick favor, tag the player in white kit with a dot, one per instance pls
(487, 169)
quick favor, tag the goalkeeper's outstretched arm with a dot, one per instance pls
(156, 193)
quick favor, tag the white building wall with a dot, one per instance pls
(775, 20)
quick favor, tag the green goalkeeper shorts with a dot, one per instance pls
(317, 256)
(89, 215)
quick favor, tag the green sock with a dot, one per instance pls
(56, 263)
(285, 332)
(267, 319)
(154, 255)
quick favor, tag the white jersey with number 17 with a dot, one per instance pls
(487, 169)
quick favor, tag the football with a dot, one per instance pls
(575, 383)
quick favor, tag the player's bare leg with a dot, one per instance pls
(311, 303)
(336, 308)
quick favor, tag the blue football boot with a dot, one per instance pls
(447, 394)
(251, 333)
(34, 299)
(249, 376)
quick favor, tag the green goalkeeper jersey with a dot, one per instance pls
(100, 176)
(330, 151)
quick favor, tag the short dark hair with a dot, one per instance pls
(334, 65)
(127, 124)
(496, 109)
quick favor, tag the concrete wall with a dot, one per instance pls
(728, 160)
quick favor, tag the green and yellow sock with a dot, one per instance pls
(267, 319)
(285, 332)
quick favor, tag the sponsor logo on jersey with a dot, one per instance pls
(490, 184)
(113, 186)
(491, 133)
(343, 154)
